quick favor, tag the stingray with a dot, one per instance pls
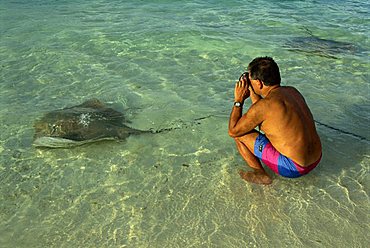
(88, 122)
(314, 45)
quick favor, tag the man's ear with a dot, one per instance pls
(260, 84)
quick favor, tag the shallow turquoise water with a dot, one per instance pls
(172, 64)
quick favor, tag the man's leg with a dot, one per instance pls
(245, 145)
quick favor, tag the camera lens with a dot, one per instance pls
(244, 75)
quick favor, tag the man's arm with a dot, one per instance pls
(238, 124)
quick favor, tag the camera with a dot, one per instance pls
(246, 76)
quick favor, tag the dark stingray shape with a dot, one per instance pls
(321, 47)
(89, 122)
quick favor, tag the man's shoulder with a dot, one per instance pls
(288, 87)
(263, 107)
(291, 90)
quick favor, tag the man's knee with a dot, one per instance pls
(248, 139)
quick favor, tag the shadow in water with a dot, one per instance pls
(346, 151)
(314, 45)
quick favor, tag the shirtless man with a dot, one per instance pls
(290, 145)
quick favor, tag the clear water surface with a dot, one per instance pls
(173, 64)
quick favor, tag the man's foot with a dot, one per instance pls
(258, 176)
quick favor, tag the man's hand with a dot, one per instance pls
(241, 91)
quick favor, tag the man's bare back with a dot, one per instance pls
(290, 145)
(290, 127)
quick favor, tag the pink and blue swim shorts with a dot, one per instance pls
(277, 162)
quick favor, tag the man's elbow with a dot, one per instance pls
(232, 133)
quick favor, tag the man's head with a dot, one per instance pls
(266, 70)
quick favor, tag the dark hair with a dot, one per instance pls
(266, 70)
